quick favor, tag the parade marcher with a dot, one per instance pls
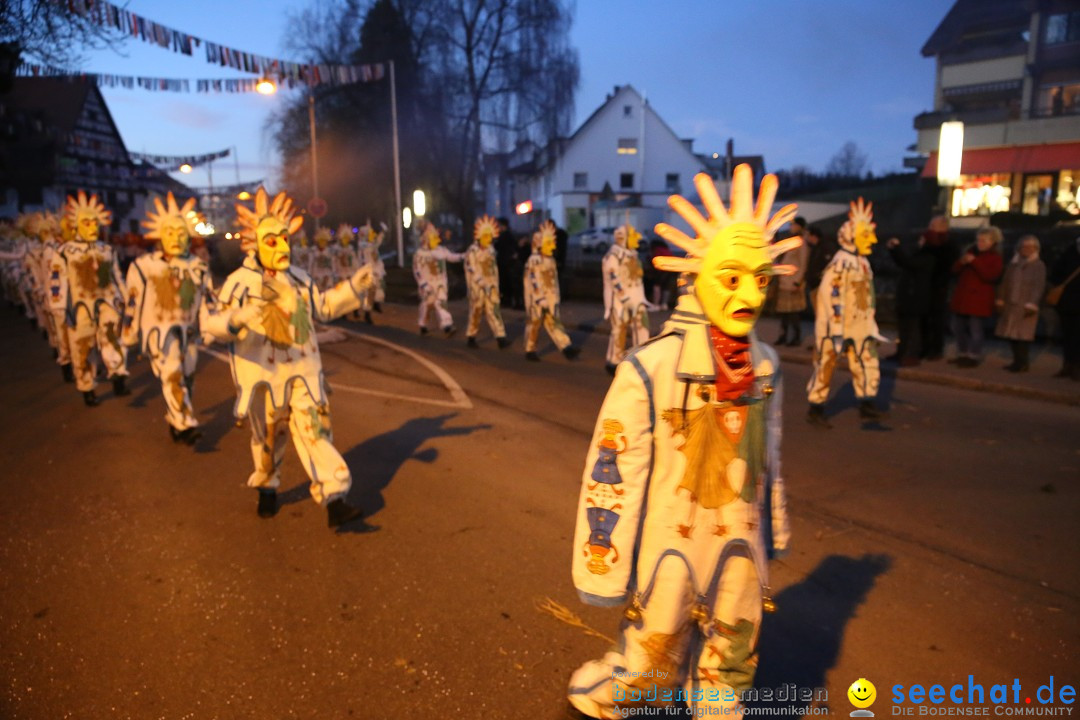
(1018, 301)
(542, 296)
(322, 260)
(301, 252)
(791, 289)
(43, 229)
(169, 295)
(625, 306)
(978, 270)
(845, 322)
(267, 315)
(346, 260)
(482, 275)
(682, 502)
(369, 242)
(59, 313)
(84, 283)
(429, 269)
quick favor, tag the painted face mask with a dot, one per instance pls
(547, 238)
(87, 215)
(265, 231)
(432, 237)
(484, 230)
(345, 235)
(628, 237)
(322, 238)
(858, 235)
(172, 225)
(732, 255)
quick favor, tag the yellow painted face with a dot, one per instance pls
(322, 241)
(734, 275)
(67, 229)
(304, 241)
(175, 240)
(633, 239)
(345, 239)
(434, 239)
(272, 236)
(484, 239)
(87, 228)
(862, 693)
(865, 238)
(547, 245)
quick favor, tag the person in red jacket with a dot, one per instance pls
(977, 272)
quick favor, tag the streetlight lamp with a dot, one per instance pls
(185, 168)
(265, 86)
(406, 218)
(950, 157)
(419, 203)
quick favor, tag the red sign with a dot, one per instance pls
(316, 207)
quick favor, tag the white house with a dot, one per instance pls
(623, 162)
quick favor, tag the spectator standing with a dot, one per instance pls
(509, 271)
(822, 250)
(939, 243)
(913, 297)
(1018, 301)
(977, 270)
(791, 289)
(1066, 276)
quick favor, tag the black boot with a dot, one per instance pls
(119, 385)
(532, 356)
(67, 373)
(816, 416)
(504, 342)
(471, 342)
(55, 353)
(869, 411)
(89, 398)
(571, 352)
(610, 367)
(423, 330)
(378, 307)
(367, 318)
(338, 512)
(188, 436)
(449, 331)
(268, 506)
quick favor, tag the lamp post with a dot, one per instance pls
(314, 155)
(950, 157)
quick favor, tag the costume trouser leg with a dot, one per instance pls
(485, 307)
(668, 655)
(865, 369)
(112, 351)
(82, 337)
(309, 423)
(63, 343)
(556, 331)
(634, 324)
(532, 331)
(433, 304)
(172, 366)
(817, 390)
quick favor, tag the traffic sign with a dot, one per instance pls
(316, 207)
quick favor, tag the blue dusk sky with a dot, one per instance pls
(792, 80)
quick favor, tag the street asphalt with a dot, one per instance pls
(136, 580)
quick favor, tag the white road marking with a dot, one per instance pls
(459, 399)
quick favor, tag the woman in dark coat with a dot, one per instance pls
(977, 271)
(913, 297)
(1018, 300)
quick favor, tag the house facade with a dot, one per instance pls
(1010, 71)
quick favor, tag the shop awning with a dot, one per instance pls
(1016, 159)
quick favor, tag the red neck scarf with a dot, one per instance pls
(735, 372)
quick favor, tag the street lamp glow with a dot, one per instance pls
(419, 203)
(523, 208)
(265, 86)
(243, 195)
(185, 168)
(950, 153)
(406, 218)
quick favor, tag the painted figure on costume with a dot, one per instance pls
(542, 295)
(322, 260)
(85, 284)
(301, 252)
(429, 269)
(625, 306)
(845, 322)
(482, 275)
(682, 502)
(268, 311)
(169, 295)
(369, 242)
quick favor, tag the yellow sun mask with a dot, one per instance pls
(345, 235)
(266, 229)
(432, 237)
(87, 216)
(322, 238)
(732, 255)
(547, 238)
(484, 230)
(858, 233)
(172, 225)
(627, 236)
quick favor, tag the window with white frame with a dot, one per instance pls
(627, 146)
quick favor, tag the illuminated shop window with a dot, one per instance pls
(1068, 188)
(981, 195)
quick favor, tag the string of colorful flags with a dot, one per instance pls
(107, 15)
(156, 84)
(178, 160)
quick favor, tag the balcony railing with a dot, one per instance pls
(989, 116)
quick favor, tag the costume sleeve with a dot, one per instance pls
(135, 294)
(529, 290)
(608, 269)
(117, 280)
(832, 302)
(334, 302)
(609, 508)
(215, 325)
(58, 288)
(209, 301)
(778, 515)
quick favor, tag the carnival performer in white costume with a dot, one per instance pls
(542, 296)
(42, 230)
(845, 318)
(322, 260)
(482, 275)
(301, 252)
(625, 306)
(169, 295)
(368, 251)
(85, 284)
(267, 315)
(682, 502)
(346, 261)
(429, 269)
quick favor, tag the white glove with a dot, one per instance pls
(361, 279)
(244, 316)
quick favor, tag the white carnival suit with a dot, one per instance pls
(322, 267)
(278, 372)
(681, 506)
(482, 275)
(845, 324)
(624, 301)
(429, 269)
(168, 299)
(301, 257)
(85, 284)
(345, 261)
(369, 257)
(542, 302)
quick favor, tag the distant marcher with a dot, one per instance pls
(944, 251)
(791, 289)
(913, 297)
(1066, 276)
(978, 270)
(1018, 301)
(509, 270)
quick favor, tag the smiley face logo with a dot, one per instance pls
(862, 694)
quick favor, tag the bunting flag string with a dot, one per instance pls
(156, 84)
(107, 15)
(178, 160)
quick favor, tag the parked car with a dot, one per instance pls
(593, 240)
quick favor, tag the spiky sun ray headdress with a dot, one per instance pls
(485, 223)
(280, 208)
(345, 230)
(166, 211)
(429, 231)
(81, 206)
(323, 233)
(860, 212)
(546, 231)
(718, 227)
